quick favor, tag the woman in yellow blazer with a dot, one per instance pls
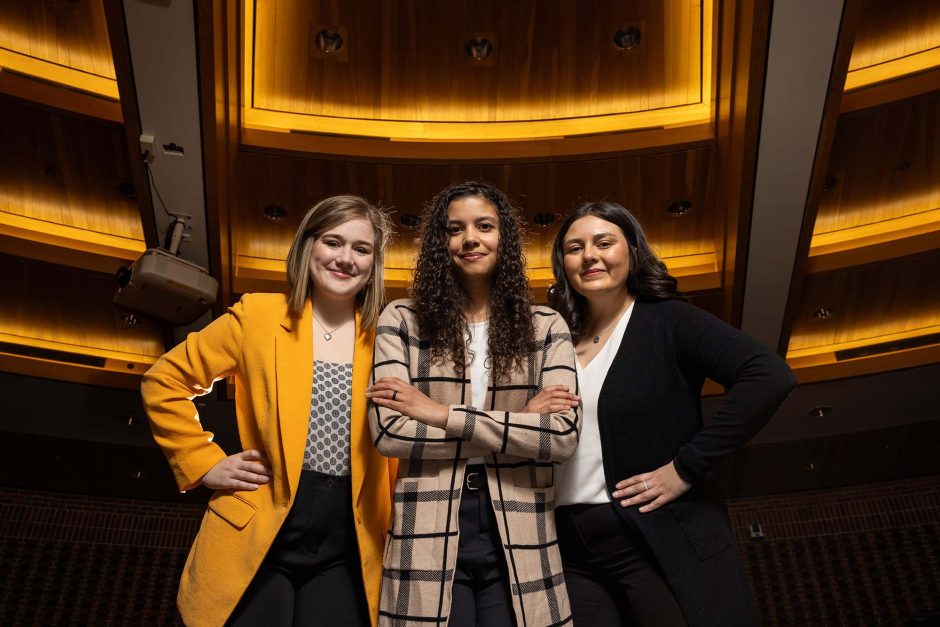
(296, 527)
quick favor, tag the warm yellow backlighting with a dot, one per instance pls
(63, 236)
(528, 127)
(695, 272)
(890, 70)
(62, 75)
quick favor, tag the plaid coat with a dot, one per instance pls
(519, 450)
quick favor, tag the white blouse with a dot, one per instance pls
(478, 347)
(581, 478)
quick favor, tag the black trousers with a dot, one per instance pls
(481, 582)
(311, 574)
(611, 575)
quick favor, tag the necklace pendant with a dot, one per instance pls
(327, 336)
(597, 339)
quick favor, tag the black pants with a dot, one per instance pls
(611, 574)
(481, 583)
(311, 574)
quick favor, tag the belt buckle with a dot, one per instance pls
(467, 478)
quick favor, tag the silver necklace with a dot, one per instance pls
(327, 333)
(597, 338)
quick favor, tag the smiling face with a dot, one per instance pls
(473, 237)
(596, 256)
(341, 263)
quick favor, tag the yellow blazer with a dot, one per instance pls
(271, 355)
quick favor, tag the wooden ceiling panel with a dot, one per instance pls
(60, 41)
(892, 29)
(645, 184)
(60, 194)
(406, 60)
(888, 302)
(62, 324)
(883, 196)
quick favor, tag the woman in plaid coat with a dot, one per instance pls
(473, 390)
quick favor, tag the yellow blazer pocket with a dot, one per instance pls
(232, 508)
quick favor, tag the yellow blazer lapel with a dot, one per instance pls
(360, 444)
(293, 354)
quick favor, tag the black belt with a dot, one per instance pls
(475, 479)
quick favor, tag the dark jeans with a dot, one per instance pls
(311, 574)
(481, 583)
(611, 574)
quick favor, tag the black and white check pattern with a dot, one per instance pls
(327, 449)
(519, 450)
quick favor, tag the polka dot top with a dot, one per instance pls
(328, 437)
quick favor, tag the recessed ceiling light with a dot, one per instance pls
(329, 41)
(544, 219)
(627, 38)
(823, 313)
(411, 220)
(820, 411)
(679, 208)
(479, 48)
(275, 212)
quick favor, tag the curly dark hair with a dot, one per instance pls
(442, 301)
(648, 279)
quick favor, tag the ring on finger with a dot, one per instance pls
(646, 486)
(394, 394)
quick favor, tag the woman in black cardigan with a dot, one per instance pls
(644, 537)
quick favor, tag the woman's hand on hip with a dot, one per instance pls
(406, 399)
(247, 470)
(550, 400)
(653, 488)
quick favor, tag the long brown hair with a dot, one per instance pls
(649, 279)
(440, 297)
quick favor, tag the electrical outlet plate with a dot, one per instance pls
(148, 146)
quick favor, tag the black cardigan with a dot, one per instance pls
(649, 412)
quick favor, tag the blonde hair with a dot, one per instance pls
(325, 215)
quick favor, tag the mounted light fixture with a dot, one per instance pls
(274, 212)
(544, 219)
(820, 411)
(329, 41)
(628, 38)
(680, 208)
(479, 48)
(823, 313)
(411, 220)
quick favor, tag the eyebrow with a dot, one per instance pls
(343, 239)
(595, 237)
(476, 221)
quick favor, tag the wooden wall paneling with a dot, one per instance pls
(887, 301)
(884, 174)
(744, 32)
(70, 311)
(218, 36)
(851, 15)
(645, 184)
(60, 197)
(406, 61)
(51, 95)
(413, 89)
(901, 88)
(894, 38)
(60, 41)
